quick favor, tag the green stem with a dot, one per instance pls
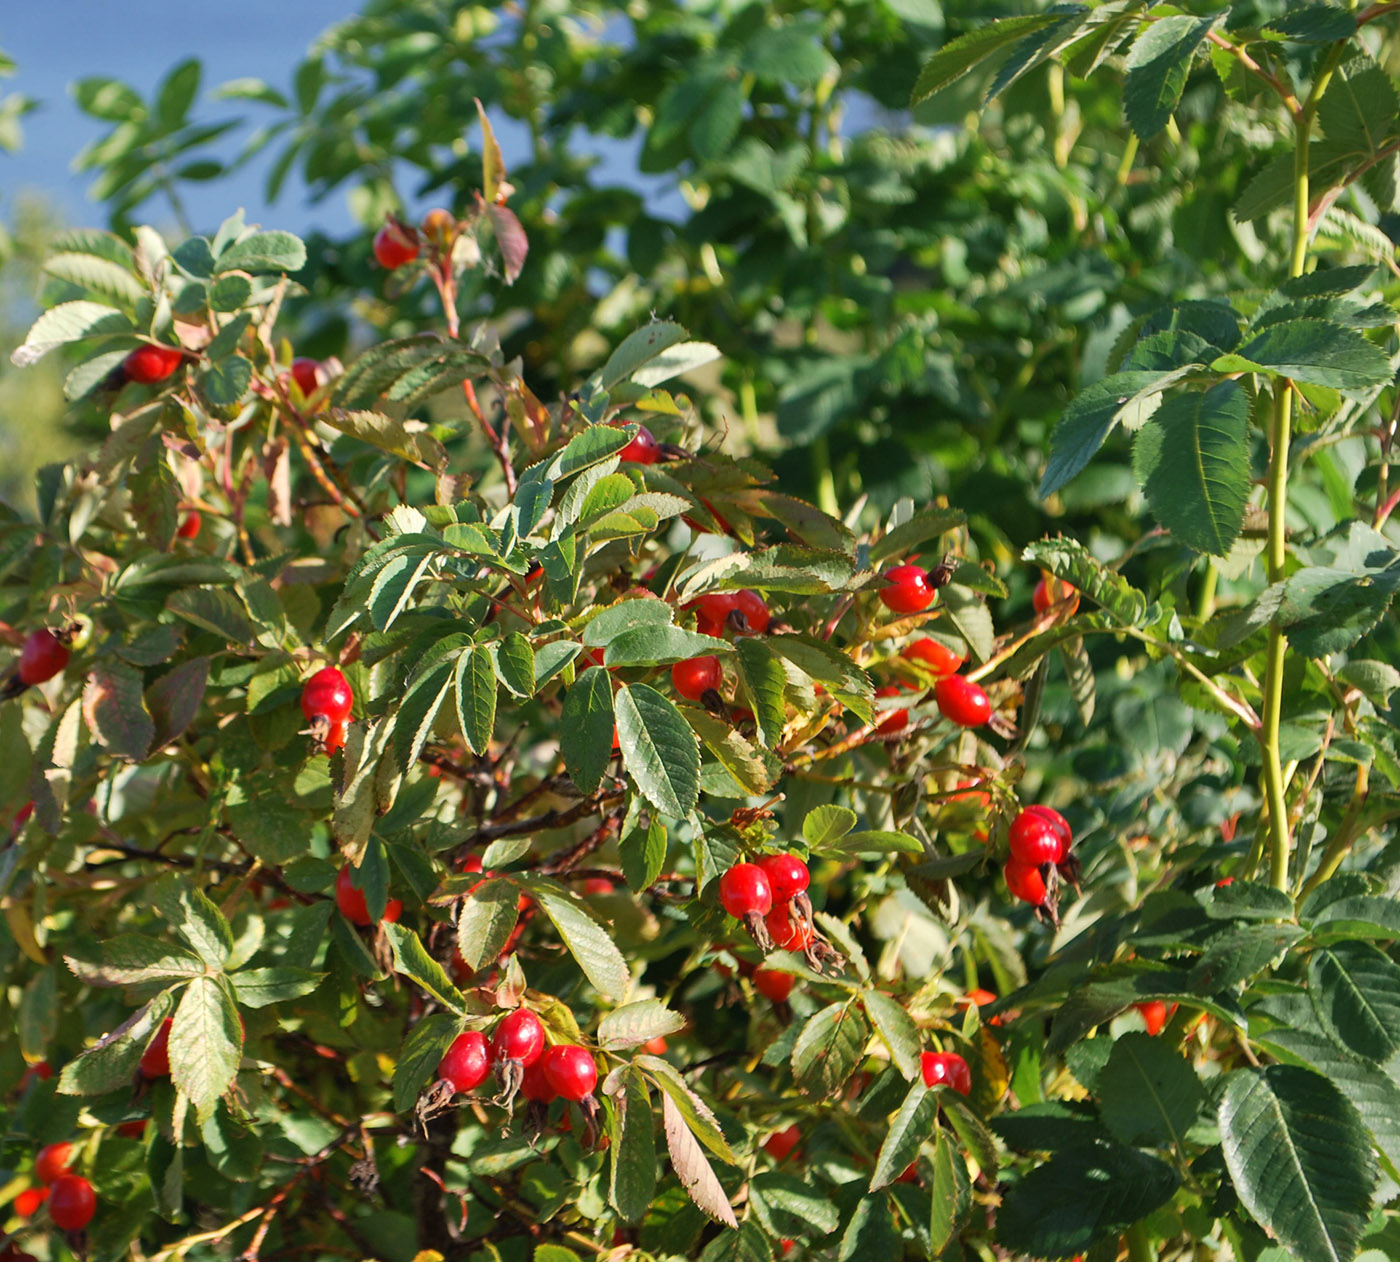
(1280, 436)
(1139, 1244)
(1345, 836)
(824, 478)
(1205, 601)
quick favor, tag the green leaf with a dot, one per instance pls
(116, 712)
(1315, 351)
(586, 728)
(658, 749)
(272, 829)
(588, 942)
(624, 616)
(485, 921)
(104, 277)
(132, 959)
(216, 610)
(871, 1232)
(176, 93)
(111, 1062)
(658, 645)
(195, 917)
(409, 440)
(788, 1205)
(1080, 1196)
(951, 62)
(412, 960)
(515, 664)
(952, 1193)
(637, 1023)
(1192, 460)
(909, 1129)
(632, 1182)
(1149, 1096)
(68, 322)
(877, 841)
(423, 1050)
(894, 1024)
(260, 987)
(675, 361)
(762, 678)
(638, 349)
(1355, 992)
(829, 1048)
(264, 252)
(824, 826)
(1089, 420)
(1071, 560)
(755, 770)
(205, 1043)
(174, 699)
(476, 698)
(643, 854)
(414, 719)
(225, 381)
(1299, 1158)
(697, 1113)
(1157, 67)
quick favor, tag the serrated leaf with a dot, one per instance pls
(264, 252)
(1355, 992)
(68, 322)
(115, 710)
(1315, 351)
(259, 987)
(112, 1061)
(1157, 67)
(698, 1115)
(475, 684)
(409, 440)
(586, 728)
(638, 349)
(637, 1023)
(588, 942)
(659, 749)
(643, 854)
(762, 678)
(1192, 460)
(632, 1181)
(1149, 1096)
(485, 920)
(909, 1128)
(1071, 560)
(829, 1048)
(951, 62)
(658, 645)
(411, 959)
(952, 1193)
(692, 1167)
(1299, 1158)
(825, 825)
(515, 664)
(205, 1043)
(413, 720)
(132, 959)
(894, 1024)
(174, 699)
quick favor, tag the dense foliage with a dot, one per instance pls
(463, 797)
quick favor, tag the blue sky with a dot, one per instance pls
(58, 41)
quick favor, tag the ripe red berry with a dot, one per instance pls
(891, 720)
(132, 1130)
(42, 657)
(655, 1047)
(327, 695)
(149, 364)
(1051, 591)
(781, 1143)
(52, 1162)
(72, 1203)
(787, 875)
(712, 612)
(643, 449)
(1025, 882)
(1155, 1014)
(693, 679)
(773, 984)
(946, 1067)
(571, 1071)
(1035, 840)
(306, 373)
(598, 885)
(41, 1070)
(155, 1060)
(908, 590)
(350, 898)
(535, 1084)
(749, 605)
(1061, 826)
(27, 1202)
(335, 737)
(787, 932)
(519, 1037)
(467, 1063)
(938, 657)
(962, 701)
(745, 891)
(393, 246)
(190, 524)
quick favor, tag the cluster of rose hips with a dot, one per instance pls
(769, 896)
(69, 1197)
(1040, 839)
(522, 1063)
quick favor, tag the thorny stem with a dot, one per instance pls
(496, 438)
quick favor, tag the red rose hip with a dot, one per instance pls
(787, 875)
(1035, 840)
(306, 373)
(327, 695)
(147, 365)
(72, 1202)
(643, 449)
(155, 1060)
(773, 984)
(962, 701)
(751, 608)
(1025, 882)
(694, 678)
(42, 657)
(467, 1063)
(908, 590)
(571, 1071)
(938, 657)
(350, 898)
(394, 246)
(745, 891)
(519, 1038)
(781, 1144)
(52, 1162)
(947, 1068)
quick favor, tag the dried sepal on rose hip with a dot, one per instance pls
(789, 878)
(746, 894)
(518, 1042)
(791, 932)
